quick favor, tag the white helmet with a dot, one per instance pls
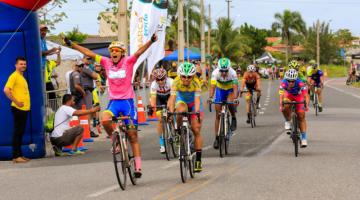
(117, 44)
(186, 69)
(291, 74)
(251, 68)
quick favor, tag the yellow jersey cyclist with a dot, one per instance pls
(119, 71)
(224, 86)
(301, 70)
(160, 93)
(185, 97)
(316, 79)
(252, 81)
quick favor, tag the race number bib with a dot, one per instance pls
(117, 74)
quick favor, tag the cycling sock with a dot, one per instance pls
(248, 115)
(198, 154)
(303, 136)
(161, 141)
(257, 100)
(137, 163)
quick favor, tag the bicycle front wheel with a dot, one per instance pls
(119, 160)
(316, 104)
(131, 166)
(165, 135)
(221, 136)
(294, 134)
(173, 140)
(184, 167)
(252, 114)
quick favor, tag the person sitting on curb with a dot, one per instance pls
(63, 134)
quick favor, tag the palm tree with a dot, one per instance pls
(228, 42)
(288, 24)
(193, 7)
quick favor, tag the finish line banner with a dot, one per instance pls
(148, 17)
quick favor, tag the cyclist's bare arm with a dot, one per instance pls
(142, 49)
(83, 50)
(212, 90)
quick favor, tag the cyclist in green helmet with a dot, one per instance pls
(185, 97)
(224, 86)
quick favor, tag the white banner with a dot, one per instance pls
(148, 17)
(140, 28)
(158, 26)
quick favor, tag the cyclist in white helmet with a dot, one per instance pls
(252, 82)
(292, 88)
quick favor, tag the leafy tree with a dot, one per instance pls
(344, 37)
(228, 42)
(329, 44)
(288, 24)
(76, 35)
(51, 20)
(256, 39)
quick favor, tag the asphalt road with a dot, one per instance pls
(261, 164)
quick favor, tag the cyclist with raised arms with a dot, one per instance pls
(119, 71)
(224, 85)
(316, 79)
(293, 89)
(252, 81)
(185, 97)
(160, 93)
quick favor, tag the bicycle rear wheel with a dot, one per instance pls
(192, 165)
(184, 167)
(119, 160)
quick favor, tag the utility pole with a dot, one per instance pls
(202, 37)
(187, 35)
(122, 22)
(180, 32)
(209, 31)
(318, 42)
(228, 8)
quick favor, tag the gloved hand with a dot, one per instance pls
(67, 41)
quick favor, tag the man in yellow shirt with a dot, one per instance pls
(16, 89)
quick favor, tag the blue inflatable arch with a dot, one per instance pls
(19, 36)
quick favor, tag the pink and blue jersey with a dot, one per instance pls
(298, 89)
(119, 76)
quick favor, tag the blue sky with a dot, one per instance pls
(260, 13)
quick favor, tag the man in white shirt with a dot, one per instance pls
(63, 134)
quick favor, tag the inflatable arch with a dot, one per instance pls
(19, 36)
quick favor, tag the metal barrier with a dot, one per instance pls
(53, 100)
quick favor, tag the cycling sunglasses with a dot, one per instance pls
(224, 71)
(162, 79)
(116, 50)
(186, 77)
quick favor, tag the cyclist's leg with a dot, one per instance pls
(128, 109)
(107, 115)
(232, 108)
(160, 100)
(300, 112)
(196, 129)
(258, 94)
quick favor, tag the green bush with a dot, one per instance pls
(333, 71)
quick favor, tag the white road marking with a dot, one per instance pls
(103, 191)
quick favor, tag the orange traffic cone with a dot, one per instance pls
(141, 112)
(84, 122)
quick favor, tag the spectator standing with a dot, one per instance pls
(76, 87)
(49, 68)
(44, 49)
(88, 76)
(67, 78)
(63, 134)
(16, 89)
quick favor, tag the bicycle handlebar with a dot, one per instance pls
(220, 103)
